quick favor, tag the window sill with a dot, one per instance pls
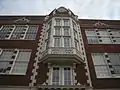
(15, 74)
(104, 77)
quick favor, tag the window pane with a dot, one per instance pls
(116, 69)
(55, 77)
(57, 42)
(23, 56)
(6, 55)
(31, 32)
(22, 62)
(114, 58)
(90, 33)
(116, 40)
(57, 22)
(5, 31)
(67, 76)
(105, 40)
(57, 31)
(4, 66)
(67, 42)
(66, 32)
(102, 32)
(98, 59)
(115, 33)
(102, 71)
(66, 22)
(19, 32)
(20, 67)
(92, 40)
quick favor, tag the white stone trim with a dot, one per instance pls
(36, 66)
(83, 50)
(11, 32)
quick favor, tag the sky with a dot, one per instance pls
(85, 9)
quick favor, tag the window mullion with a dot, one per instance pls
(25, 31)
(12, 32)
(16, 55)
(1, 27)
(1, 51)
(61, 76)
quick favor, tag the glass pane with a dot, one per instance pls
(23, 56)
(66, 22)
(116, 40)
(30, 36)
(67, 76)
(102, 71)
(57, 31)
(20, 68)
(19, 32)
(114, 58)
(5, 31)
(116, 69)
(67, 42)
(115, 33)
(66, 31)
(4, 67)
(105, 40)
(92, 40)
(55, 77)
(6, 55)
(57, 42)
(102, 32)
(98, 59)
(57, 22)
(90, 33)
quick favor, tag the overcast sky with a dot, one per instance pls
(97, 9)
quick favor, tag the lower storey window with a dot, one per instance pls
(61, 76)
(107, 65)
(14, 61)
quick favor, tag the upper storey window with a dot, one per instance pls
(14, 61)
(106, 64)
(17, 32)
(103, 36)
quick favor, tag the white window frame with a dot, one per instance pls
(66, 23)
(107, 66)
(68, 43)
(61, 74)
(55, 45)
(68, 31)
(57, 31)
(58, 22)
(14, 61)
